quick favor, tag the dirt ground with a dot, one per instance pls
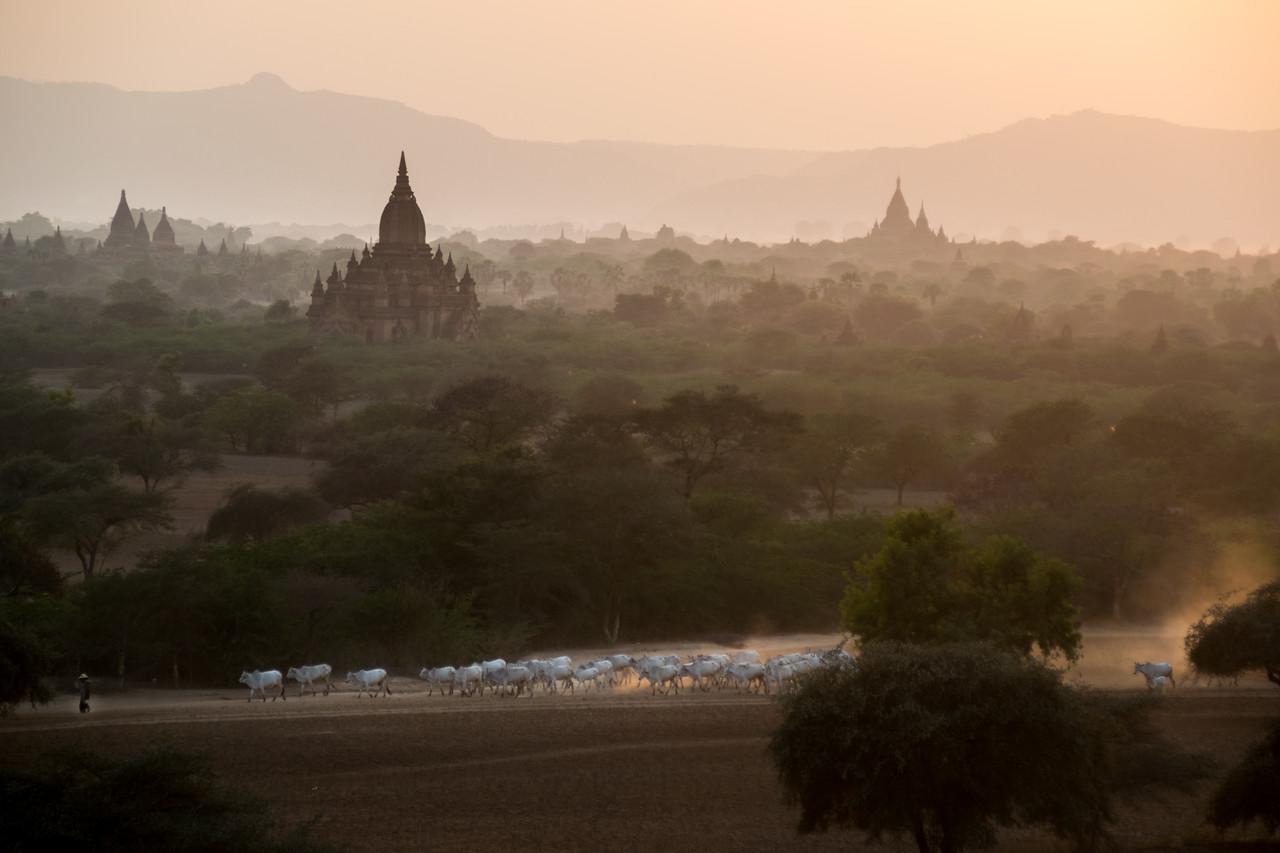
(618, 770)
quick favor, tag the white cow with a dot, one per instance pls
(490, 668)
(260, 682)
(372, 680)
(310, 676)
(560, 676)
(515, 679)
(748, 675)
(469, 679)
(664, 675)
(1159, 683)
(701, 672)
(441, 677)
(588, 675)
(605, 670)
(1151, 671)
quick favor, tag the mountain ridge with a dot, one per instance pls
(262, 150)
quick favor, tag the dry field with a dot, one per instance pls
(613, 771)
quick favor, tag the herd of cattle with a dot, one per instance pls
(742, 670)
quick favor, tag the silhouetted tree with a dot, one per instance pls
(702, 433)
(918, 741)
(1160, 344)
(1229, 640)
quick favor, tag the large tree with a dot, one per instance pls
(158, 451)
(702, 434)
(909, 453)
(826, 455)
(1232, 639)
(927, 585)
(946, 745)
(93, 520)
(492, 412)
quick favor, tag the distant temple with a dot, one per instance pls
(898, 227)
(126, 235)
(399, 289)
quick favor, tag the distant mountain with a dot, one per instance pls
(1105, 177)
(262, 151)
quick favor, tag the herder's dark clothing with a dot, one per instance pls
(84, 696)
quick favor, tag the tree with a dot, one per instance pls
(93, 520)
(523, 285)
(254, 420)
(910, 452)
(160, 799)
(491, 412)
(24, 661)
(826, 455)
(1027, 434)
(1161, 343)
(249, 513)
(383, 464)
(1248, 792)
(925, 585)
(24, 568)
(1229, 640)
(315, 384)
(704, 434)
(616, 525)
(932, 291)
(946, 744)
(156, 450)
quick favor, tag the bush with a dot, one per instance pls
(950, 743)
(946, 744)
(1249, 792)
(159, 800)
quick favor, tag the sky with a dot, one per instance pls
(823, 74)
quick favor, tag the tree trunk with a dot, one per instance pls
(901, 487)
(120, 659)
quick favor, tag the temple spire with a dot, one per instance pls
(404, 169)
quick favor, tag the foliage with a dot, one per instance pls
(24, 661)
(703, 434)
(492, 412)
(925, 585)
(1229, 640)
(946, 744)
(1248, 792)
(249, 513)
(160, 799)
(255, 420)
(910, 452)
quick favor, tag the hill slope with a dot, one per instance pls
(263, 151)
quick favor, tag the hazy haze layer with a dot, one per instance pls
(822, 74)
(264, 151)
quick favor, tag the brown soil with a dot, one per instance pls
(614, 771)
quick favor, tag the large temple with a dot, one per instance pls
(898, 226)
(402, 288)
(125, 235)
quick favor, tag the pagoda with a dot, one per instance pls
(399, 288)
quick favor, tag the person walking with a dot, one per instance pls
(83, 682)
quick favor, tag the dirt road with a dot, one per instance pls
(622, 771)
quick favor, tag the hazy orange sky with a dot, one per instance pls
(801, 74)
